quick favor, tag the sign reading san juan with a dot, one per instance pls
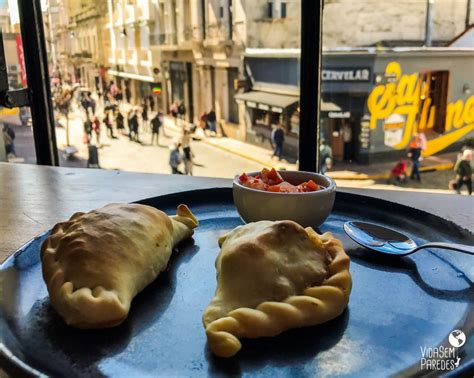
(346, 74)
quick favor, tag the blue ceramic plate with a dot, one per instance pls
(398, 306)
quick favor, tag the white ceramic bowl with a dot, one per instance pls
(307, 209)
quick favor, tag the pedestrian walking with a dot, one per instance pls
(151, 101)
(463, 171)
(128, 93)
(87, 131)
(144, 117)
(187, 154)
(211, 122)
(119, 120)
(113, 89)
(175, 158)
(9, 140)
(278, 137)
(325, 155)
(174, 112)
(414, 153)
(96, 128)
(347, 137)
(155, 128)
(182, 112)
(133, 125)
(108, 125)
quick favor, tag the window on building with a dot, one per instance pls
(221, 11)
(283, 10)
(270, 9)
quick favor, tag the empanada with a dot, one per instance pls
(271, 277)
(97, 262)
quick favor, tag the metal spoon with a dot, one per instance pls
(386, 240)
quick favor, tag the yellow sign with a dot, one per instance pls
(406, 97)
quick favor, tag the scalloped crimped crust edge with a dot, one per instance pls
(317, 305)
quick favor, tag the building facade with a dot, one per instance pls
(134, 32)
(88, 47)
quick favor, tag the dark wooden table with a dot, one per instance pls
(34, 198)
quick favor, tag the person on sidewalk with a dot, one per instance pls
(347, 136)
(133, 125)
(325, 156)
(96, 128)
(119, 120)
(182, 113)
(87, 131)
(174, 112)
(188, 156)
(9, 140)
(278, 137)
(144, 117)
(108, 125)
(175, 158)
(463, 171)
(155, 129)
(211, 122)
(414, 153)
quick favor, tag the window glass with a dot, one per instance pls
(283, 10)
(16, 136)
(396, 83)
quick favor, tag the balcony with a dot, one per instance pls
(165, 39)
(217, 34)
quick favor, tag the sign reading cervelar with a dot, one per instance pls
(346, 74)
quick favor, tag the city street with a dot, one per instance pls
(121, 153)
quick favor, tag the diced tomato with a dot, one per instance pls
(243, 178)
(274, 177)
(271, 180)
(311, 186)
(273, 188)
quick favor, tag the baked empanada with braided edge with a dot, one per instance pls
(292, 264)
(95, 263)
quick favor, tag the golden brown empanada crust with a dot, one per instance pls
(95, 263)
(315, 305)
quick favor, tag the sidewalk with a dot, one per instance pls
(341, 170)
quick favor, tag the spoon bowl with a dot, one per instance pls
(385, 240)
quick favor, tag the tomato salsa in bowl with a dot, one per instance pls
(304, 197)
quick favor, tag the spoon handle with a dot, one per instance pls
(452, 246)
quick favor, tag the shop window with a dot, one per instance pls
(261, 117)
(283, 10)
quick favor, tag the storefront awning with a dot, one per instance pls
(266, 101)
(276, 102)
